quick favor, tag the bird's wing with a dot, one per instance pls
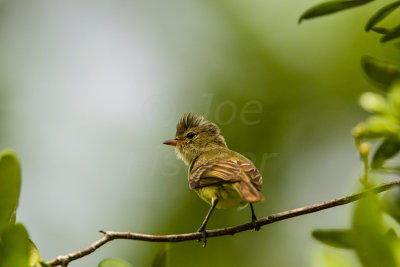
(224, 171)
(251, 172)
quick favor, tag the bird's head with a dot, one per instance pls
(194, 136)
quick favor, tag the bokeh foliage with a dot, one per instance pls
(16, 249)
(371, 236)
(301, 104)
(330, 7)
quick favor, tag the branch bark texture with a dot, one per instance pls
(112, 235)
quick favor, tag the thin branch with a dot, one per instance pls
(111, 235)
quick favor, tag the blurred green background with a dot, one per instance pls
(89, 90)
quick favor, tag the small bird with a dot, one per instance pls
(221, 177)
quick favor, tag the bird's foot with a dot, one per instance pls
(204, 238)
(256, 226)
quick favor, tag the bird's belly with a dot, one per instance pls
(226, 194)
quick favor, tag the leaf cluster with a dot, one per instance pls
(370, 236)
(329, 7)
(384, 123)
(16, 248)
(374, 243)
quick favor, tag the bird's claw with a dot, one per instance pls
(204, 238)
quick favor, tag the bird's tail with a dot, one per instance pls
(248, 192)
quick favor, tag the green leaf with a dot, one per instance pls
(34, 255)
(390, 203)
(335, 238)
(10, 183)
(14, 250)
(380, 126)
(386, 150)
(333, 258)
(379, 71)
(330, 7)
(394, 100)
(162, 257)
(381, 14)
(374, 103)
(393, 34)
(375, 127)
(42, 263)
(110, 262)
(372, 245)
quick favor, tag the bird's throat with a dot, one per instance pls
(187, 156)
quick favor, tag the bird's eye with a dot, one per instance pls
(190, 135)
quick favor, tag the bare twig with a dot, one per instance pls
(111, 235)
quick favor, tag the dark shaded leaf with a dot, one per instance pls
(386, 150)
(10, 183)
(379, 71)
(381, 14)
(372, 245)
(382, 30)
(330, 7)
(335, 238)
(14, 250)
(162, 257)
(395, 33)
(113, 263)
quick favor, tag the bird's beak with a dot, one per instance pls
(174, 142)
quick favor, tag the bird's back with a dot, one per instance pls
(227, 175)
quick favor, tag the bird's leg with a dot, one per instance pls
(203, 226)
(254, 218)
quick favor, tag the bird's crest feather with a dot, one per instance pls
(189, 120)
